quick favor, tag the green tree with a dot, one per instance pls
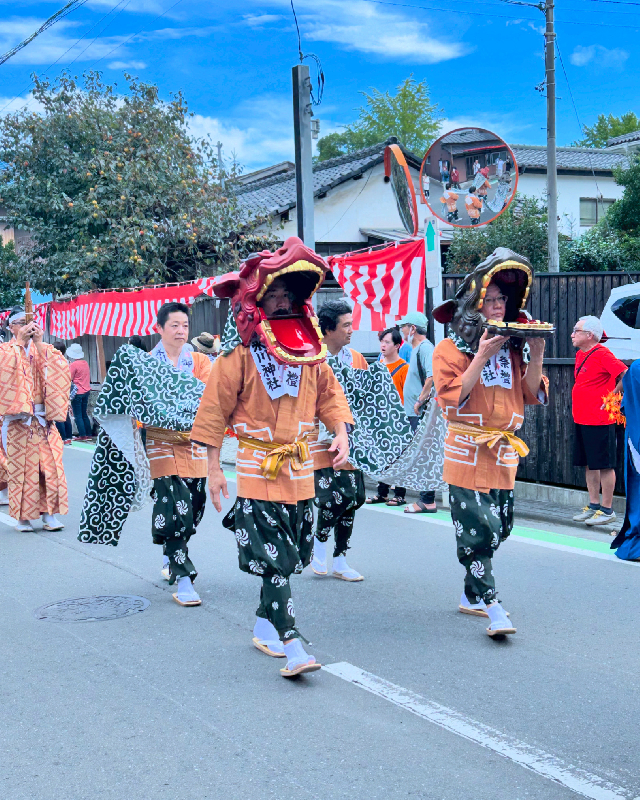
(624, 214)
(409, 115)
(11, 276)
(522, 228)
(607, 128)
(113, 190)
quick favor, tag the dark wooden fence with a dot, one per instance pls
(561, 298)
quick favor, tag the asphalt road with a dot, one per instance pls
(416, 702)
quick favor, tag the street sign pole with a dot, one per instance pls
(433, 269)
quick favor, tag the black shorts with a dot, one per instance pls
(594, 446)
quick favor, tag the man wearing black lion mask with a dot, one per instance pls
(483, 382)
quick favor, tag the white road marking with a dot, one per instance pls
(528, 756)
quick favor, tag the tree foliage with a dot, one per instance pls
(11, 276)
(113, 190)
(608, 127)
(409, 115)
(624, 214)
(522, 228)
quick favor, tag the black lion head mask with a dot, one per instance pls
(511, 272)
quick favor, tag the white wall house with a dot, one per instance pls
(354, 207)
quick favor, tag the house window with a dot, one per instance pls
(592, 210)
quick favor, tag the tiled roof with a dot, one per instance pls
(569, 158)
(470, 135)
(277, 194)
(626, 137)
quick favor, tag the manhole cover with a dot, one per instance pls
(92, 609)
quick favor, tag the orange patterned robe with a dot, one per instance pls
(35, 390)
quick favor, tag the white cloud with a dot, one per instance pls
(53, 44)
(258, 20)
(259, 132)
(361, 26)
(598, 55)
(127, 65)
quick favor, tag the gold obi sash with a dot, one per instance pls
(490, 436)
(167, 436)
(298, 452)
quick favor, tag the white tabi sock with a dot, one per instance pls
(265, 631)
(498, 617)
(340, 564)
(465, 602)
(165, 561)
(186, 592)
(320, 551)
(297, 655)
(50, 519)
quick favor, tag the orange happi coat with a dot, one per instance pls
(235, 396)
(187, 460)
(471, 465)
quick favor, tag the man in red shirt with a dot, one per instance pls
(597, 372)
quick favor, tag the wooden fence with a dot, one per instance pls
(561, 298)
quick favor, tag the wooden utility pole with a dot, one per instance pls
(552, 175)
(302, 114)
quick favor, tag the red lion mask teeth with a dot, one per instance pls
(295, 339)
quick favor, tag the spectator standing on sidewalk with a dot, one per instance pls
(80, 377)
(597, 372)
(65, 428)
(390, 341)
(417, 388)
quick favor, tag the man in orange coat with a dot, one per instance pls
(473, 204)
(178, 466)
(270, 387)
(450, 199)
(339, 493)
(35, 381)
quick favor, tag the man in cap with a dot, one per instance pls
(417, 388)
(35, 382)
(339, 493)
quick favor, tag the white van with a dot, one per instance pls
(621, 319)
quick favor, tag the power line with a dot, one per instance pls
(498, 16)
(319, 71)
(60, 57)
(45, 26)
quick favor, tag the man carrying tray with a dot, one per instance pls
(483, 383)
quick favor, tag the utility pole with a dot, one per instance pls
(219, 146)
(302, 114)
(552, 175)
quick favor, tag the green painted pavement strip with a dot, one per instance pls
(444, 518)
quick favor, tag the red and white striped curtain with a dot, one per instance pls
(39, 314)
(384, 284)
(121, 313)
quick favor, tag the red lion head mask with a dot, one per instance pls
(295, 339)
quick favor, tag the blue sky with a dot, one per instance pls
(233, 58)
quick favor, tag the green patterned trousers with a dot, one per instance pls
(481, 522)
(339, 494)
(178, 506)
(274, 542)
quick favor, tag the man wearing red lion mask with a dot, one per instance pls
(269, 388)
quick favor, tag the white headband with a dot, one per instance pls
(18, 315)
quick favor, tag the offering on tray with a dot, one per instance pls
(523, 327)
